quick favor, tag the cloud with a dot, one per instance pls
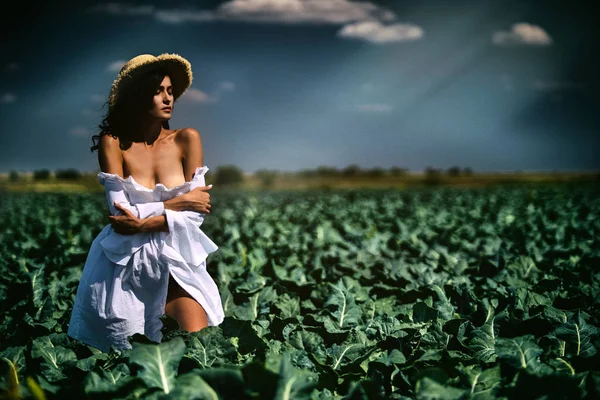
(8, 98)
(363, 20)
(522, 33)
(177, 16)
(79, 131)
(198, 96)
(263, 11)
(374, 108)
(115, 66)
(375, 32)
(300, 11)
(226, 85)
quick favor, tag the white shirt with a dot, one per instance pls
(124, 284)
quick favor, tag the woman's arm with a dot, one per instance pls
(154, 224)
(129, 223)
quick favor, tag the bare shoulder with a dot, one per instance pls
(109, 155)
(191, 149)
(188, 135)
(108, 141)
(108, 144)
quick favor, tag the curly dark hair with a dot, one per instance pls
(132, 106)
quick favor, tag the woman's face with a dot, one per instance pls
(162, 106)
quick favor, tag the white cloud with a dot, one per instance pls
(522, 33)
(8, 98)
(374, 108)
(177, 16)
(364, 19)
(116, 66)
(299, 11)
(226, 85)
(198, 96)
(79, 131)
(276, 11)
(375, 32)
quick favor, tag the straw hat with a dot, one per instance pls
(180, 71)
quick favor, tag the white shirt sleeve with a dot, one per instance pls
(115, 192)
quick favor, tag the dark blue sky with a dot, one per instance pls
(292, 84)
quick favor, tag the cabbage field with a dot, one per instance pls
(426, 293)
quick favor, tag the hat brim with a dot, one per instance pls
(178, 68)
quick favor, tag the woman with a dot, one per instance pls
(151, 258)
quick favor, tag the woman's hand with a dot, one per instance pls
(198, 199)
(127, 224)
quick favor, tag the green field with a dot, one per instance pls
(427, 292)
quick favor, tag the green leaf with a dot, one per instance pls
(191, 386)
(36, 279)
(424, 313)
(259, 303)
(311, 342)
(426, 388)
(50, 349)
(293, 383)
(346, 312)
(562, 366)
(158, 362)
(86, 364)
(522, 353)
(16, 355)
(483, 341)
(353, 351)
(383, 326)
(209, 347)
(481, 384)
(110, 381)
(254, 282)
(578, 335)
(444, 306)
(228, 382)
(289, 307)
(391, 357)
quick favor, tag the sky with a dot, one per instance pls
(500, 85)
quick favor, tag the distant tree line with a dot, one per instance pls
(435, 175)
(231, 174)
(45, 174)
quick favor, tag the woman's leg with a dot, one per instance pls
(184, 308)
